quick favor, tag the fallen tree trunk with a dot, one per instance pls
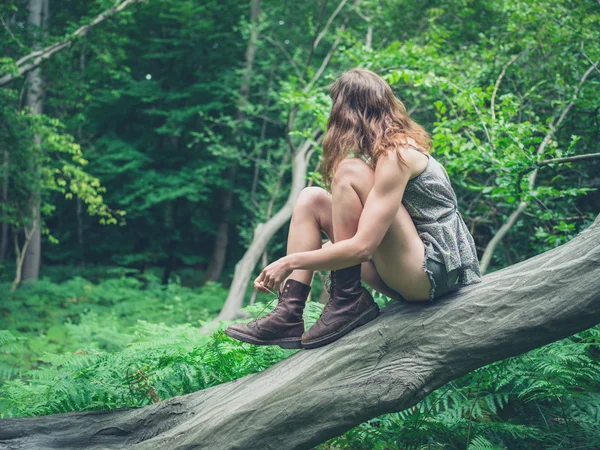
(385, 366)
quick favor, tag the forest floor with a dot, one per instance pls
(116, 338)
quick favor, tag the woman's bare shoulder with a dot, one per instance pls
(415, 158)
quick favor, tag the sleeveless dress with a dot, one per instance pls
(432, 204)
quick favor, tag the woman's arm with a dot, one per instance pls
(379, 211)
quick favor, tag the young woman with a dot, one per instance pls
(391, 216)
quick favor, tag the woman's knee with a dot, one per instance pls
(350, 170)
(313, 198)
(353, 175)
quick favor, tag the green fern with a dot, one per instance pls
(481, 443)
(98, 357)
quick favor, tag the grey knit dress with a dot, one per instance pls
(431, 202)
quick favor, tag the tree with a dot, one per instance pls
(35, 58)
(553, 126)
(217, 261)
(39, 11)
(300, 156)
(158, 73)
(263, 233)
(30, 167)
(387, 365)
(489, 125)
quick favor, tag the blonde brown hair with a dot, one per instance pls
(367, 119)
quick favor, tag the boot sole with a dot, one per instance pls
(287, 343)
(364, 318)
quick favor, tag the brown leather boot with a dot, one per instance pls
(283, 326)
(350, 305)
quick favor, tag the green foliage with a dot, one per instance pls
(546, 398)
(145, 115)
(77, 313)
(117, 344)
(158, 363)
(43, 159)
(129, 342)
(161, 128)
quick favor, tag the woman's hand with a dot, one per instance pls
(273, 275)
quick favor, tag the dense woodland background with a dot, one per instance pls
(151, 153)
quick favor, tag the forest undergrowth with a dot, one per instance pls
(76, 345)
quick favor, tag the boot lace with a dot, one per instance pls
(277, 297)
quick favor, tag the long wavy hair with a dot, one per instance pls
(366, 119)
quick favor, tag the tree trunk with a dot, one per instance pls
(553, 126)
(21, 252)
(38, 16)
(31, 263)
(265, 231)
(169, 241)
(80, 239)
(388, 365)
(262, 235)
(79, 202)
(217, 261)
(4, 226)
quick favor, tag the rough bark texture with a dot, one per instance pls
(387, 365)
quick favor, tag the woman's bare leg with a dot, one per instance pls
(312, 214)
(369, 275)
(399, 258)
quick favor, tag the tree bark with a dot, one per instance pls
(38, 17)
(79, 202)
(217, 260)
(388, 365)
(170, 242)
(21, 252)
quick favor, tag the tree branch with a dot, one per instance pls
(328, 56)
(369, 37)
(311, 50)
(552, 127)
(294, 109)
(496, 86)
(34, 59)
(328, 24)
(546, 162)
(286, 53)
(568, 159)
(7, 28)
